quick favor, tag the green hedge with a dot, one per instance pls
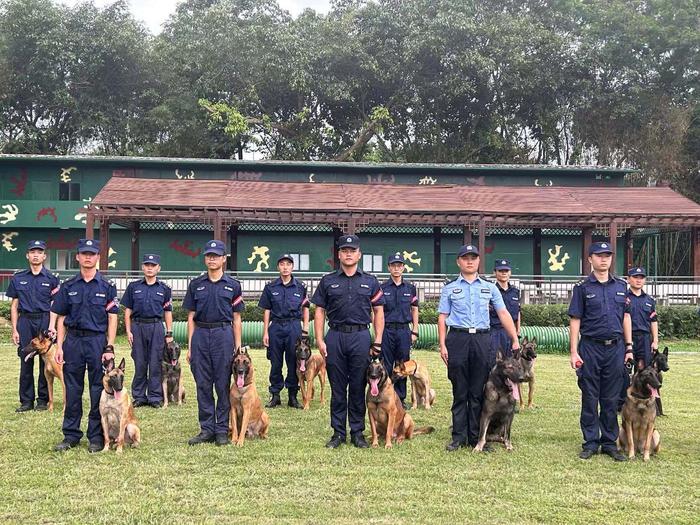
(681, 322)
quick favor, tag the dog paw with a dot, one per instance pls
(388, 446)
(239, 443)
(375, 444)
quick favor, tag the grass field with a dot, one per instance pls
(292, 478)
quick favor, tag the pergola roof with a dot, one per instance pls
(129, 200)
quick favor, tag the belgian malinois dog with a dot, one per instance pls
(247, 418)
(637, 432)
(309, 365)
(500, 395)
(119, 423)
(421, 393)
(44, 345)
(386, 413)
(659, 361)
(528, 353)
(171, 375)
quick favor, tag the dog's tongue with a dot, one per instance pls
(513, 389)
(118, 395)
(240, 381)
(173, 362)
(29, 356)
(374, 386)
(302, 365)
(654, 392)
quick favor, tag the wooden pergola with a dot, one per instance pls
(226, 204)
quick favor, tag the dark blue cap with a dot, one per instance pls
(151, 258)
(214, 246)
(468, 248)
(502, 264)
(600, 247)
(285, 257)
(637, 270)
(89, 245)
(36, 245)
(348, 241)
(396, 258)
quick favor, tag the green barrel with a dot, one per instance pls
(548, 337)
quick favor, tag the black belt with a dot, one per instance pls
(470, 330)
(281, 321)
(83, 333)
(347, 328)
(639, 332)
(147, 320)
(396, 326)
(33, 315)
(604, 342)
(211, 325)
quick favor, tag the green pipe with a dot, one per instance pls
(548, 337)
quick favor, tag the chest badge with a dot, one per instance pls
(590, 295)
(457, 290)
(200, 288)
(335, 285)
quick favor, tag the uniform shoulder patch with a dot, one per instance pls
(450, 282)
(581, 281)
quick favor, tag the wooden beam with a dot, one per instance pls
(104, 244)
(482, 245)
(337, 232)
(90, 226)
(135, 234)
(437, 250)
(219, 228)
(613, 244)
(694, 251)
(466, 235)
(587, 240)
(233, 260)
(537, 251)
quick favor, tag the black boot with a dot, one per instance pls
(293, 401)
(274, 401)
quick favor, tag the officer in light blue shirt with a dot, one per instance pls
(465, 349)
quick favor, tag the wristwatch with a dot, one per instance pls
(169, 333)
(416, 334)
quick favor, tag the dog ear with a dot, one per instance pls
(525, 340)
(499, 355)
(666, 351)
(640, 364)
(534, 340)
(244, 349)
(122, 364)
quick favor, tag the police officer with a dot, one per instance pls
(466, 348)
(84, 312)
(511, 298)
(147, 302)
(645, 325)
(400, 319)
(348, 296)
(31, 291)
(215, 302)
(599, 313)
(284, 304)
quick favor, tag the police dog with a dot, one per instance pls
(247, 418)
(119, 423)
(386, 413)
(500, 395)
(659, 361)
(44, 345)
(528, 353)
(171, 375)
(309, 365)
(421, 393)
(637, 432)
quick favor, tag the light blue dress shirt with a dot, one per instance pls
(467, 304)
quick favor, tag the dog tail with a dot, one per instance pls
(423, 430)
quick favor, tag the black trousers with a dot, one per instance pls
(467, 369)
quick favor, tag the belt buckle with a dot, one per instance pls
(608, 342)
(471, 330)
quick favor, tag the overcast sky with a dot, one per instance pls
(154, 12)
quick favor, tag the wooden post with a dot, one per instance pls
(337, 232)
(587, 240)
(466, 235)
(135, 231)
(218, 228)
(694, 251)
(233, 261)
(613, 239)
(90, 225)
(482, 245)
(537, 251)
(629, 249)
(104, 245)
(437, 250)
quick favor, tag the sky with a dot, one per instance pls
(154, 12)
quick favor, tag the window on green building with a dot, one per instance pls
(69, 191)
(41, 190)
(372, 263)
(301, 261)
(65, 260)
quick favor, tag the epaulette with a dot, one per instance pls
(74, 278)
(450, 282)
(21, 270)
(581, 281)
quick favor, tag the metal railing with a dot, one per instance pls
(535, 289)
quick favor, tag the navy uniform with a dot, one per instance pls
(285, 303)
(86, 306)
(348, 302)
(511, 298)
(468, 343)
(643, 313)
(213, 304)
(148, 304)
(399, 299)
(34, 293)
(601, 308)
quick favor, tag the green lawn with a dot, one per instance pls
(292, 478)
